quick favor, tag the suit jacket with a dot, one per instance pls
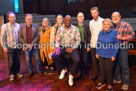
(35, 34)
(87, 33)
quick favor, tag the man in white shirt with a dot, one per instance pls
(95, 27)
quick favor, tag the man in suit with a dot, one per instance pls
(29, 37)
(84, 47)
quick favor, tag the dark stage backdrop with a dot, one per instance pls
(72, 7)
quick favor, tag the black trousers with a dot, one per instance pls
(83, 59)
(60, 63)
(106, 67)
(45, 63)
(95, 62)
(14, 61)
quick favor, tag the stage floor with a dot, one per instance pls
(51, 82)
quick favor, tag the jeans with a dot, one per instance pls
(59, 63)
(14, 61)
(122, 66)
(28, 55)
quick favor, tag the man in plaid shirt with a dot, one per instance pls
(125, 34)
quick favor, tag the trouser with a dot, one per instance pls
(60, 64)
(14, 60)
(45, 63)
(28, 55)
(106, 68)
(95, 62)
(122, 66)
(83, 59)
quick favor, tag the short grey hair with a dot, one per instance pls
(29, 15)
(47, 21)
(107, 19)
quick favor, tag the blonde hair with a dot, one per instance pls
(94, 8)
(47, 21)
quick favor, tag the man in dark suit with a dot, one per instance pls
(84, 47)
(29, 37)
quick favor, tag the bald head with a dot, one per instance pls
(67, 21)
(80, 14)
(80, 17)
(68, 16)
(115, 13)
(116, 17)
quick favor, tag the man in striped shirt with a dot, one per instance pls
(125, 34)
(10, 42)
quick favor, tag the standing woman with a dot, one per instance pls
(106, 51)
(45, 48)
(58, 24)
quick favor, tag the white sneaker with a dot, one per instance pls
(70, 80)
(12, 77)
(19, 75)
(62, 75)
(124, 87)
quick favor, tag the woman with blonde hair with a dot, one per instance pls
(45, 47)
(57, 25)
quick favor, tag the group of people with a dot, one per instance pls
(54, 47)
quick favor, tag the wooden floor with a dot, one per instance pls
(51, 82)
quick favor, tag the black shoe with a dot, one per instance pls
(80, 75)
(46, 71)
(94, 78)
(31, 74)
(85, 77)
(51, 71)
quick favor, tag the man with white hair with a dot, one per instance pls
(125, 34)
(29, 37)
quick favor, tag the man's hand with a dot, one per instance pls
(5, 50)
(124, 38)
(57, 51)
(30, 46)
(119, 37)
(88, 49)
(112, 58)
(97, 56)
(69, 50)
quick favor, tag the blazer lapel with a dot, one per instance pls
(33, 30)
(85, 32)
(25, 32)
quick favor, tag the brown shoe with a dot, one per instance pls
(40, 74)
(31, 75)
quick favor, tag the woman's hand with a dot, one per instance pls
(97, 56)
(112, 58)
